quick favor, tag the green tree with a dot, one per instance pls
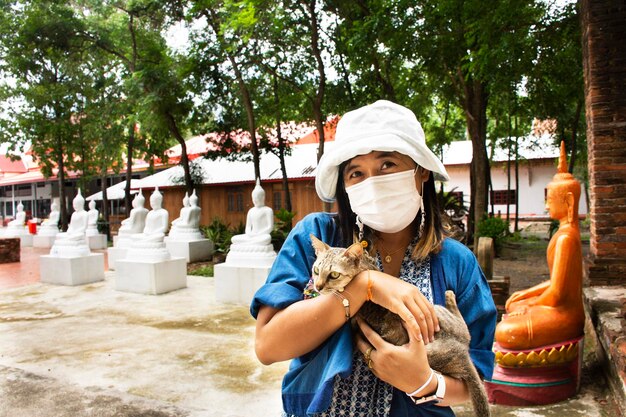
(467, 44)
(130, 32)
(555, 82)
(44, 56)
(228, 47)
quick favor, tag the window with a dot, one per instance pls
(503, 197)
(235, 199)
(277, 200)
(23, 190)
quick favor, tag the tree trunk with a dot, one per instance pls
(508, 173)
(105, 200)
(516, 179)
(129, 168)
(319, 97)
(213, 21)
(184, 159)
(281, 147)
(247, 102)
(572, 158)
(476, 118)
(61, 180)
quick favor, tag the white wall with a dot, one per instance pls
(534, 177)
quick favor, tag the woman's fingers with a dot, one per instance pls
(372, 337)
(407, 301)
(420, 317)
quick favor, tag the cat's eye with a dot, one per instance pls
(316, 270)
(334, 274)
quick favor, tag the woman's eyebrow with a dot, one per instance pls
(348, 167)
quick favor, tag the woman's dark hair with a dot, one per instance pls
(432, 233)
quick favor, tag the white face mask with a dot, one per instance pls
(386, 203)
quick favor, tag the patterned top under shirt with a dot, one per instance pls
(362, 394)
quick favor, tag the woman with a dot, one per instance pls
(378, 171)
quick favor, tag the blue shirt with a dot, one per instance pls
(307, 386)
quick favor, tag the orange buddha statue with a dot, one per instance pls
(551, 312)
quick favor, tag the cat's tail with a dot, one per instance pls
(478, 394)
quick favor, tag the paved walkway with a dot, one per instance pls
(92, 351)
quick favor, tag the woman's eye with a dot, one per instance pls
(316, 270)
(354, 174)
(387, 165)
(334, 274)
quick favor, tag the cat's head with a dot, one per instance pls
(334, 268)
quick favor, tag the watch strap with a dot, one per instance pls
(437, 396)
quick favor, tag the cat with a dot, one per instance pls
(334, 268)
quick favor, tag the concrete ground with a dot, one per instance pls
(92, 351)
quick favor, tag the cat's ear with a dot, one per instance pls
(355, 251)
(318, 245)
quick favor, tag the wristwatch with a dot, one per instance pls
(437, 396)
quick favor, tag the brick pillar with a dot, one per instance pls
(604, 64)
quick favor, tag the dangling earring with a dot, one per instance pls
(422, 222)
(360, 226)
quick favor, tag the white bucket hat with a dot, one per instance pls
(381, 126)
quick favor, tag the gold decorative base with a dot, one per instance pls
(552, 355)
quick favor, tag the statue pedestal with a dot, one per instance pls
(237, 284)
(114, 255)
(538, 376)
(97, 241)
(26, 239)
(150, 277)
(191, 250)
(71, 271)
(251, 255)
(40, 241)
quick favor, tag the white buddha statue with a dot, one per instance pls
(92, 219)
(187, 225)
(149, 244)
(73, 243)
(16, 226)
(134, 224)
(255, 245)
(50, 226)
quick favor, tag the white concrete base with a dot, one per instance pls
(43, 241)
(71, 271)
(115, 254)
(237, 284)
(97, 241)
(26, 240)
(151, 278)
(192, 251)
(254, 256)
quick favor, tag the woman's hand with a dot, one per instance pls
(405, 367)
(405, 300)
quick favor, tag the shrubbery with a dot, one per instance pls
(495, 228)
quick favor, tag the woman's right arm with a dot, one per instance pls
(283, 334)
